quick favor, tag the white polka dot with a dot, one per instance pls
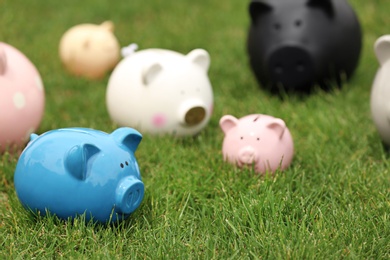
(19, 100)
(39, 83)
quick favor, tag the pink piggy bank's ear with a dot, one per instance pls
(150, 73)
(278, 126)
(382, 49)
(3, 60)
(200, 57)
(228, 122)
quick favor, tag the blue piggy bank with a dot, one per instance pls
(73, 171)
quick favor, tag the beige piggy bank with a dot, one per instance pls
(90, 50)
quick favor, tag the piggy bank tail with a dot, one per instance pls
(129, 50)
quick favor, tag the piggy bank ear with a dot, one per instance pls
(382, 49)
(76, 160)
(257, 8)
(325, 5)
(128, 137)
(150, 73)
(227, 122)
(200, 57)
(129, 50)
(108, 26)
(278, 126)
(3, 61)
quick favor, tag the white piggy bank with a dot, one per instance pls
(161, 92)
(380, 92)
(90, 50)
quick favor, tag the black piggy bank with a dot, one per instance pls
(296, 44)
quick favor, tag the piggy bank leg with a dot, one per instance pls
(129, 195)
(386, 148)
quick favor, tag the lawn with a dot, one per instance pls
(333, 202)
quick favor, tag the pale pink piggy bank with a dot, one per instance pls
(259, 140)
(22, 98)
(90, 50)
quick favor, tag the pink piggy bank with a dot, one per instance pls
(259, 140)
(22, 97)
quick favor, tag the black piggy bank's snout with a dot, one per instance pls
(291, 66)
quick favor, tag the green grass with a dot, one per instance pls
(333, 202)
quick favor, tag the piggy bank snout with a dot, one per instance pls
(291, 66)
(129, 195)
(247, 155)
(194, 115)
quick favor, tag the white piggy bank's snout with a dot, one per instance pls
(192, 113)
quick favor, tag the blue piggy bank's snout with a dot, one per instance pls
(129, 195)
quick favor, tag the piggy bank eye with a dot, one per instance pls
(298, 23)
(258, 139)
(127, 164)
(241, 137)
(122, 165)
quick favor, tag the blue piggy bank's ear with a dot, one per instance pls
(76, 160)
(128, 137)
